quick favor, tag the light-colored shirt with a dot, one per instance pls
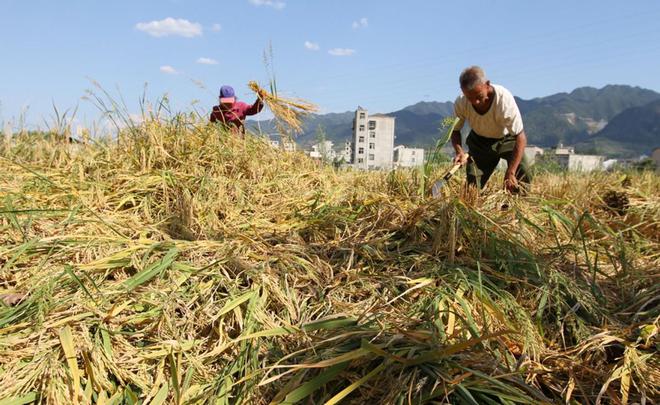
(503, 116)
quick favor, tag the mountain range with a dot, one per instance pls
(616, 120)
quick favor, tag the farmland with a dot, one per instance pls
(180, 264)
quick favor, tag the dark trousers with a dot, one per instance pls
(485, 154)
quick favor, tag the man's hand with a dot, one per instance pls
(510, 182)
(461, 158)
(262, 94)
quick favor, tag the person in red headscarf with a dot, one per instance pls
(231, 113)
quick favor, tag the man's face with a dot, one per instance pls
(478, 96)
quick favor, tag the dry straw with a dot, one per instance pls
(180, 264)
(289, 112)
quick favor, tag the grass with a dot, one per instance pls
(179, 264)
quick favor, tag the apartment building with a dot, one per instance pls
(568, 159)
(346, 154)
(373, 140)
(532, 152)
(408, 157)
(286, 144)
(323, 150)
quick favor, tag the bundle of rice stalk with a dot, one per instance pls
(288, 112)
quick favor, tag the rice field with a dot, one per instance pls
(178, 264)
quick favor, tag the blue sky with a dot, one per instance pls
(382, 55)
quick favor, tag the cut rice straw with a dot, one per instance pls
(288, 112)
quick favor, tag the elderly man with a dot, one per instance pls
(497, 131)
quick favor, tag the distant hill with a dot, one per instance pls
(337, 126)
(573, 117)
(419, 124)
(579, 117)
(633, 132)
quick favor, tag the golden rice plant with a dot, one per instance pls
(289, 112)
(176, 263)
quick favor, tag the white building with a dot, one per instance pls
(562, 150)
(323, 150)
(532, 152)
(408, 157)
(585, 163)
(567, 159)
(346, 155)
(288, 145)
(373, 140)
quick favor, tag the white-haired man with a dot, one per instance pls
(497, 131)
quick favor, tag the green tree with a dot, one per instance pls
(321, 138)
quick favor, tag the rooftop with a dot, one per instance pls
(380, 116)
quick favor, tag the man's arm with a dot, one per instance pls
(457, 143)
(510, 181)
(257, 106)
(456, 139)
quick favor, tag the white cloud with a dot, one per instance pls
(276, 4)
(312, 46)
(207, 61)
(169, 70)
(216, 27)
(170, 26)
(341, 51)
(361, 23)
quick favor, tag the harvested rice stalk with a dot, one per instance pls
(288, 112)
(251, 276)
